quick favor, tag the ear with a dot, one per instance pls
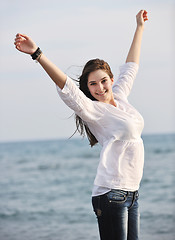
(112, 81)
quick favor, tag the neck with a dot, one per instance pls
(112, 102)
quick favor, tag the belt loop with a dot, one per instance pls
(133, 199)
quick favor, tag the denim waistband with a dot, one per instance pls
(128, 193)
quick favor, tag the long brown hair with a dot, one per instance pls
(90, 66)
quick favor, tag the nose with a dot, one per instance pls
(100, 87)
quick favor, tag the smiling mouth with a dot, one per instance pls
(101, 94)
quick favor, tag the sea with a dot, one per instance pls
(45, 189)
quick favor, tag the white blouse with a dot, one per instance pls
(117, 129)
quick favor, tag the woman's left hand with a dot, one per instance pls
(141, 17)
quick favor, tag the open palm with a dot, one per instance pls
(25, 44)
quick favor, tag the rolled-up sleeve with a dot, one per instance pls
(74, 98)
(126, 78)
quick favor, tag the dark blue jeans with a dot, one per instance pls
(118, 215)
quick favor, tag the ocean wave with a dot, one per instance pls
(44, 167)
(8, 214)
(162, 151)
(27, 214)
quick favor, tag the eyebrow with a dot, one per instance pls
(100, 80)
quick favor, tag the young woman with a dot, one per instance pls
(103, 111)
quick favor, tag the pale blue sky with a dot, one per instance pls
(70, 33)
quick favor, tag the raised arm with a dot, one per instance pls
(26, 45)
(134, 52)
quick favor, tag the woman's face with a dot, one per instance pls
(100, 86)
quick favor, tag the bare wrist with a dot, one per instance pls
(140, 27)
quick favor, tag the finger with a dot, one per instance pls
(145, 14)
(18, 48)
(17, 40)
(20, 35)
(141, 12)
(145, 18)
(17, 44)
(24, 36)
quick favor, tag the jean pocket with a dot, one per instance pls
(117, 196)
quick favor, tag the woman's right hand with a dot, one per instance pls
(25, 44)
(141, 17)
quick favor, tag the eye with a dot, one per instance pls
(104, 80)
(91, 84)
